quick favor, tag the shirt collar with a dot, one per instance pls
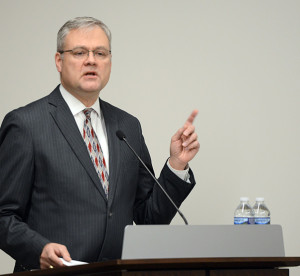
(75, 105)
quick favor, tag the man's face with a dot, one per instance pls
(88, 75)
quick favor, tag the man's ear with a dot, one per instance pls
(58, 62)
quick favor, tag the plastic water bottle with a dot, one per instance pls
(261, 212)
(243, 213)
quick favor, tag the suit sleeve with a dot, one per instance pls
(16, 183)
(151, 205)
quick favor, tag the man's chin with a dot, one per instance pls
(91, 89)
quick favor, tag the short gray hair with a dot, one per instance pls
(76, 23)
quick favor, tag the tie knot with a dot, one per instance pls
(87, 112)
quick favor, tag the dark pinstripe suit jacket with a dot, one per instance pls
(50, 192)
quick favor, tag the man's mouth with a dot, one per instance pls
(90, 74)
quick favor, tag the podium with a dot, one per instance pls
(254, 266)
(191, 250)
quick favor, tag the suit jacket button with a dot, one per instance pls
(110, 214)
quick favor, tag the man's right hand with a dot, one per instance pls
(51, 254)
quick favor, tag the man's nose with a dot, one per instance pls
(90, 59)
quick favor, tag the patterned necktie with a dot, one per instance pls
(94, 149)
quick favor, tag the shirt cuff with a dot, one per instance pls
(182, 174)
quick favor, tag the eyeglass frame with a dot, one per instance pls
(88, 52)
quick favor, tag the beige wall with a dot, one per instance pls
(238, 62)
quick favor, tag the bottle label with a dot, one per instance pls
(242, 220)
(266, 220)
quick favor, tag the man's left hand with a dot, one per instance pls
(184, 144)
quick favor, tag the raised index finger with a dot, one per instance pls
(191, 118)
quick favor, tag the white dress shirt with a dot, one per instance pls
(97, 119)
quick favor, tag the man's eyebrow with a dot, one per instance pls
(101, 48)
(96, 48)
(79, 46)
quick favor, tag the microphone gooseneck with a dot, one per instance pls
(120, 134)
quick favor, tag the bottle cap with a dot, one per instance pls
(244, 198)
(259, 199)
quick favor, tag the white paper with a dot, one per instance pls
(72, 262)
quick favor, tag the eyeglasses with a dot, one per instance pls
(83, 53)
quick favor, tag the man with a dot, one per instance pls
(57, 199)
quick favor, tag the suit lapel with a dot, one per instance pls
(111, 124)
(66, 123)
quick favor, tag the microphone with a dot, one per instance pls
(122, 137)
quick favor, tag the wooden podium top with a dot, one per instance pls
(169, 264)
